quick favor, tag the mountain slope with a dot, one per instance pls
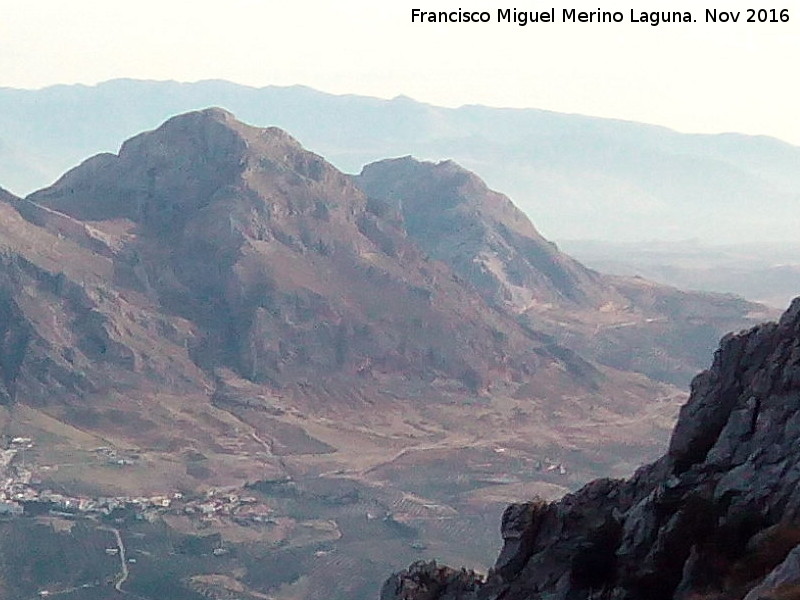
(716, 517)
(6, 196)
(53, 315)
(626, 323)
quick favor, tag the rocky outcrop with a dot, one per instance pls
(429, 581)
(717, 518)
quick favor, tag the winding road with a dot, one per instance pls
(121, 578)
(124, 573)
(123, 563)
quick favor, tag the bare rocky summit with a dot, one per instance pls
(717, 517)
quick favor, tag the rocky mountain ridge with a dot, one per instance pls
(715, 518)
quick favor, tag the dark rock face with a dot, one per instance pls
(717, 516)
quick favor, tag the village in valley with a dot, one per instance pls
(21, 494)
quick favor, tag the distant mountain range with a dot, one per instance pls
(229, 316)
(578, 177)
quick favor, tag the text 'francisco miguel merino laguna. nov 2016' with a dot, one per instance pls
(572, 15)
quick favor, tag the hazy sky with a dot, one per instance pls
(693, 77)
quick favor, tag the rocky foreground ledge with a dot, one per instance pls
(716, 518)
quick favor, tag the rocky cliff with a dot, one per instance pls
(716, 518)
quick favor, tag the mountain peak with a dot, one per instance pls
(161, 177)
(216, 113)
(215, 116)
(446, 174)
